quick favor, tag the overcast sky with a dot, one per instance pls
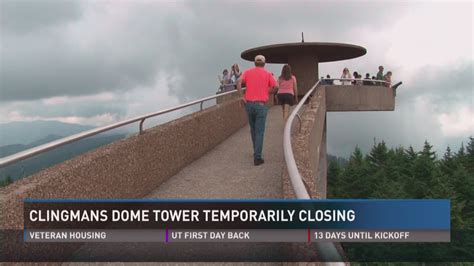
(97, 62)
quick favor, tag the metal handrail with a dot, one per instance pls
(60, 142)
(295, 177)
(326, 250)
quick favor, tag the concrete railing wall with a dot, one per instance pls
(226, 98)
(359, 98)
(309, 147)
(309, 138)
(315, 124)
(309, 144)
(128, 168)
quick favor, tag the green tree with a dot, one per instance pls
(389, 189)
(410, 158)
(427, 152)
(402, 162)
(378, 155)
(411, 154)
(333, 179)
(355, 177)
(448, 163)
(400, 173)
(469, 157)
(463, 185)
(461, 155)
(424, 172)
(6, 181)
(391, 175)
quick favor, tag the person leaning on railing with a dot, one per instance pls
(380, 76)
(226, 81)
(388, 79)
(329, 81)
(235, 72)
(346, 75)
(367, 81)
(322, 81)
(388, 82)
(355, 75)
(358, 80)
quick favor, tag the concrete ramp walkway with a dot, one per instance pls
(227, 171)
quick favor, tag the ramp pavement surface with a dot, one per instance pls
(227, 171)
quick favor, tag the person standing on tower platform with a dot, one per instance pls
(345, 76)
(226, 81)
(259, 83)
(388, 79)
(380, 76)
(329, 81)
(235, 72)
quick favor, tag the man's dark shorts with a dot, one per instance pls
(286, 98)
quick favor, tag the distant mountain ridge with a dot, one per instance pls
(36, 163)
(27, 132)
(15, 148)
(19, 136)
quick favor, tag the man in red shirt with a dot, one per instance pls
(259, 83)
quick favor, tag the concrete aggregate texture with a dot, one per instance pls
(227, 171)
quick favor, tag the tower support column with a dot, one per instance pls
(305, 69)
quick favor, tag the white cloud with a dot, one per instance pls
(431, 34)
(101, 108)
(126, 58)
(458, 123)
(97, 120)
(61, 100)
(144, 100)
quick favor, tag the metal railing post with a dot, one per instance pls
(299, 118)
(141, 126)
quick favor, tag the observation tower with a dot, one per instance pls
(304, 58)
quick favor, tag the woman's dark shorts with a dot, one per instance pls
(286, 98)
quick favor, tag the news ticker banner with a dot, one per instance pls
(140, 220)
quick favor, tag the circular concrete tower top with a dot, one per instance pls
(322, 52)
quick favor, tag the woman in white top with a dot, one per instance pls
(226, 81)
(235, 72)
(388, 79)
(346, 75)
